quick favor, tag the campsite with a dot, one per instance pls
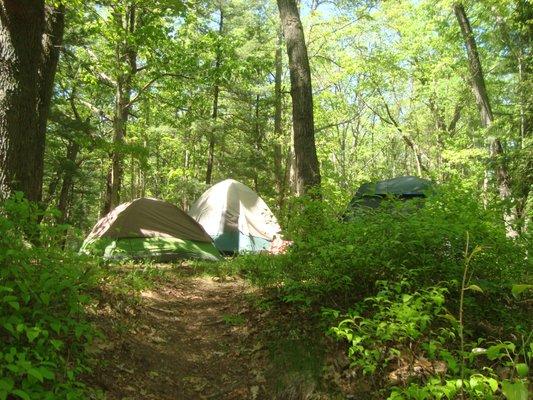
(266, 200)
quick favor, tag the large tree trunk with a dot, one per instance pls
(123, 90)
(307, 167)
(214, 115)
(21, 30)
(487, 117)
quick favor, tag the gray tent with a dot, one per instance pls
(236, 217)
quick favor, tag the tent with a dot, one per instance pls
(149, 228)
(371, 194)
(235, 216)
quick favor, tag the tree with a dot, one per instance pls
(216, 93)
(307, 167)
(479, 89)
(22, 24)
(126, 22)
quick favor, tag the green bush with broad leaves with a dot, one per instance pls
(399, 323)
(43, 329)
(407, 340)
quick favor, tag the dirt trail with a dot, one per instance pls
(187, 339)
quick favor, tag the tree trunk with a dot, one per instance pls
(258, 142)
(211, 149)
(214, 115)
(122, 104)
(68, 180)
(307, 166)
(278, 125)
(51, 44)
(22, 25)
(487, 118)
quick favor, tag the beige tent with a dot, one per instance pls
(236, 217)
(149, 228)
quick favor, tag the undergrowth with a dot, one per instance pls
(422, 313)
(43, 297)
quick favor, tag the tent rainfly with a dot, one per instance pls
(235, 216)
(149, 229)
(403, 187)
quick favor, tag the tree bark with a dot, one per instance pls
(307, 166)
(22, 25)
(214, 115)
(487, 117)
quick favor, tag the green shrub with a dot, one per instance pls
(43, 331)
(335, 262)
(408, 337)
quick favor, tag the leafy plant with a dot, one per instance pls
(398, 321)
(43, 296)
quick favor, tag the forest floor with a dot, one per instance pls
(190, 336)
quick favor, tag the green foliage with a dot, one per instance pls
(43, 296)
(482, 380)
(334, 261)
(398, 324)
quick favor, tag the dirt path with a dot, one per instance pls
(188, 338)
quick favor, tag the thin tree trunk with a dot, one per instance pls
(185, 200)
(278, 124)
(132, 177)
(211, 149)
(307, 166)
(122, 104)
(63, 205)
(214, 115)
(51, 44)
(487, 117)
(258, 142)
(22, 24)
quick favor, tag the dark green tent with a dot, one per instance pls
(371, 194)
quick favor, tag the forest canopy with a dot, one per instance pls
(303, 102)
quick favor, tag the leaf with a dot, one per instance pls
(36, 374)
(493, 383)
(56, 343)
(406, 298)
(514, 390)
(450, 318)
(475, 288)
(6, 384)
(46, 373)
(15, 305)
(21, 393)
(32, 333)
(493, 352)
(522, 369)
(56, 326)
(516, 290)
